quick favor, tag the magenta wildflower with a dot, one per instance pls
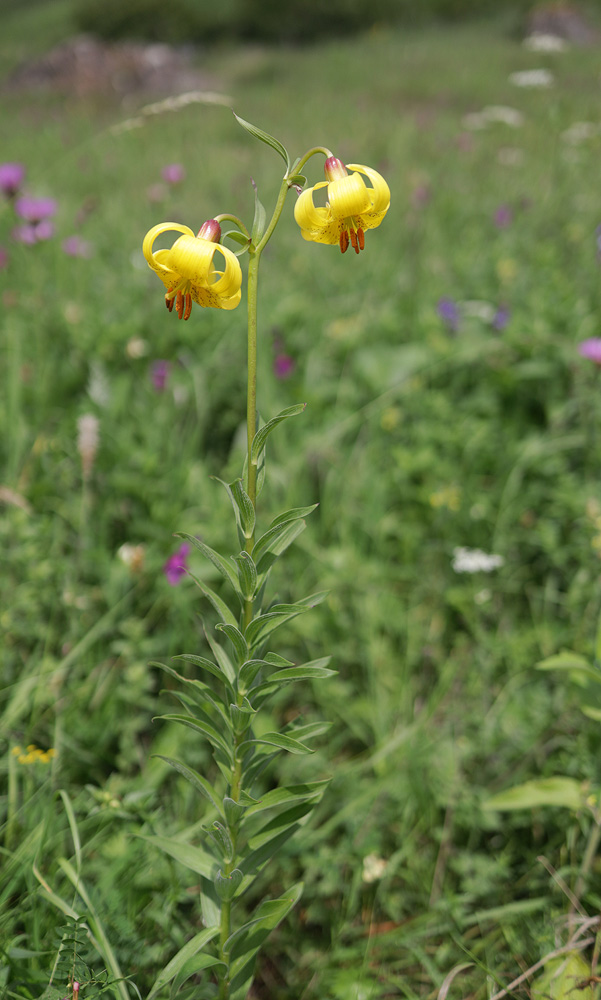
(75, 246)
(159, 372)
(591, 349)
(176, 565)
(173, 173)
(35, 210)
(283, 366)
(11, 178)
(449, 313)
(503, 217)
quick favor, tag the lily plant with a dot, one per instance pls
(222, 694)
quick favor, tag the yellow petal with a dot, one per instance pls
(156, 260)
(380, 193)
(348, 197)
(308, 216)
(192, 259)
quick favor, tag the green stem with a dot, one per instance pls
(251, 489)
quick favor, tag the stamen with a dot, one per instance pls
(361, 238)
(343, 241)
(179, 304)
(353, 237)
(188, 309)
(169, 302)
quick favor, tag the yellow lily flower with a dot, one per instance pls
(351, 207)
(188, 271)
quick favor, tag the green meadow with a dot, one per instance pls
(447, 407)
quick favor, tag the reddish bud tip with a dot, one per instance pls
(334, 169)
(210, 230)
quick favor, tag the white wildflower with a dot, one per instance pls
(87, 441)
(136, 348)
(474, 560)
(580, 132)
(492, 114)
(132, 556)
(532, 78)
(98, 384)
(541, 42)
(374, 868)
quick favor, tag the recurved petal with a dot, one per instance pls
(155, 261)
(380, 193)
(228, 282)
(309, 216)
(207, 297)
(348, 196)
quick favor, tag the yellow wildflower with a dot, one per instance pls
(188, 269)
(351, 207)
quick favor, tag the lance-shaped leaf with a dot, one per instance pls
(293, 514)
(194, 858)
(236, 638)
(197, 704)
(220, 562)
(572, 662)
(247, 575)
(244, 506)
(248, 672)
(267, 916)
(177, 963)
(198, 781)
(247, 940)
(279, 740)
(191, 968)
(220, 606)
(264, 625)
(215, 738)
(263, 433)
(268, 542)
(286, 794)
(269, 140)
(282, 538)
(258, 226)
(226, 679)
(222, 658)
(314, 669)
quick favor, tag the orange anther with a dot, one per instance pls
(188, 308)
(344, 241)
(169, 302)
(179, 304)
(353, 236)
(361, 238)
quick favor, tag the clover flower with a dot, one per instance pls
(591, 349)
(351, 207)
(474, 560)
(36, 214)
(283, 366)
(173, 173)
(176, 565)
(11, 178)
(188, 269)
(159, 373)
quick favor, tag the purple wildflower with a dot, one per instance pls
(283, 366)
(501, 318)
(176, 565)
(75, 246)
(159, 372)
(30, 234)
(449, 313)
(503, 217)
(11, 178)
(173, 173)
(35, 210)
(591, 349)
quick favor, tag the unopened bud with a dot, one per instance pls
(334, 169)
(210, 230)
